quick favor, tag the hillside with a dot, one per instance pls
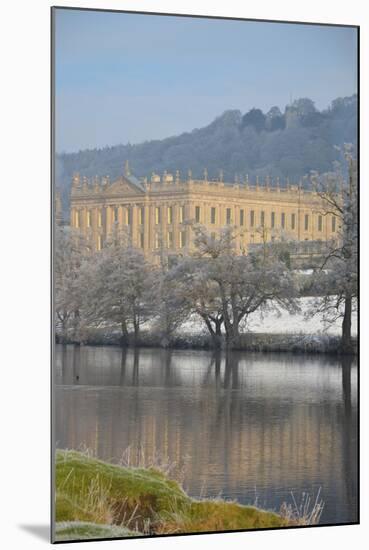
(287, 144)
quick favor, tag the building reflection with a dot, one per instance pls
(238, 423)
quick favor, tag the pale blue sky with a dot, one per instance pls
(129, 78)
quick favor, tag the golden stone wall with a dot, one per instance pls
(155, 214)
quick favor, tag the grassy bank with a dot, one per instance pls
(263, 342)
(95, 499)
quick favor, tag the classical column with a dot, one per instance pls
(94, 226)
(221, 215)
(300, 223)
(85, 227)
(134, 224)
(103, 222)
(312, 224)
(73, 217)
(151, 224)
(189, 215)
(176, 226)
(120, 216)
(164, 226)
(146, 227)
(204, 213)
(216, 205)
(236, 222)
(108, 220)
(82, 223)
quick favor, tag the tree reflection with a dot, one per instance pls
(76, 362)
(64, 363)
(231, 378)
(346, 364)
(215, 360)
(167, 367)
(123, 366)
(349, 437)
(292, 424)
(135, 371)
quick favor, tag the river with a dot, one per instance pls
(247, 426)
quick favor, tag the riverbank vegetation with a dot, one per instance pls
(297, 343)
(95, 499)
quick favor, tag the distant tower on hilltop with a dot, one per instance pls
(292, 117)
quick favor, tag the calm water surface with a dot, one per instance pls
(251, 427)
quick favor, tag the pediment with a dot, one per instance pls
(124, 187)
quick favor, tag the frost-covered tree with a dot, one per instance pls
(168, 303)
(240, 285)
(71, 252)
(200, 294)
(116, 288)
(336, 280)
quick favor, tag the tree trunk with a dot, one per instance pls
(218, 327)
(346, 326)
(233, 335)
(76, 328)
(64, 329)
(218, 333)
(226, 319)
(209, 326)
(236, 334)
(136, 328)
(124, 329)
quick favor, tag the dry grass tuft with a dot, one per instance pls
(307, 511)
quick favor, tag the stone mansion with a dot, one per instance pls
(155, 214)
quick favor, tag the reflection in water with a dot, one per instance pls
(136, 357)
(123, 363)
(244, 425)
(349, 435)
(76, 363)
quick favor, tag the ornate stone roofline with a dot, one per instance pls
(103, 186)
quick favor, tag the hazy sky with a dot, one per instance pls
(129, 78)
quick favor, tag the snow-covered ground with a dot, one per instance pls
(286, 323)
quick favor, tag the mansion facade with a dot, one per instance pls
(157, 214)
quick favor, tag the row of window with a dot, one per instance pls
(252, 219)
(128, 216)
(77, 219)
(170, 240)
(262, 219)
(170, 215)
(141, 241)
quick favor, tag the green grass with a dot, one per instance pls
(90, 490)
(218, 515)
(95, 499)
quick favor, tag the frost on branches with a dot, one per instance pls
(336, 280)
